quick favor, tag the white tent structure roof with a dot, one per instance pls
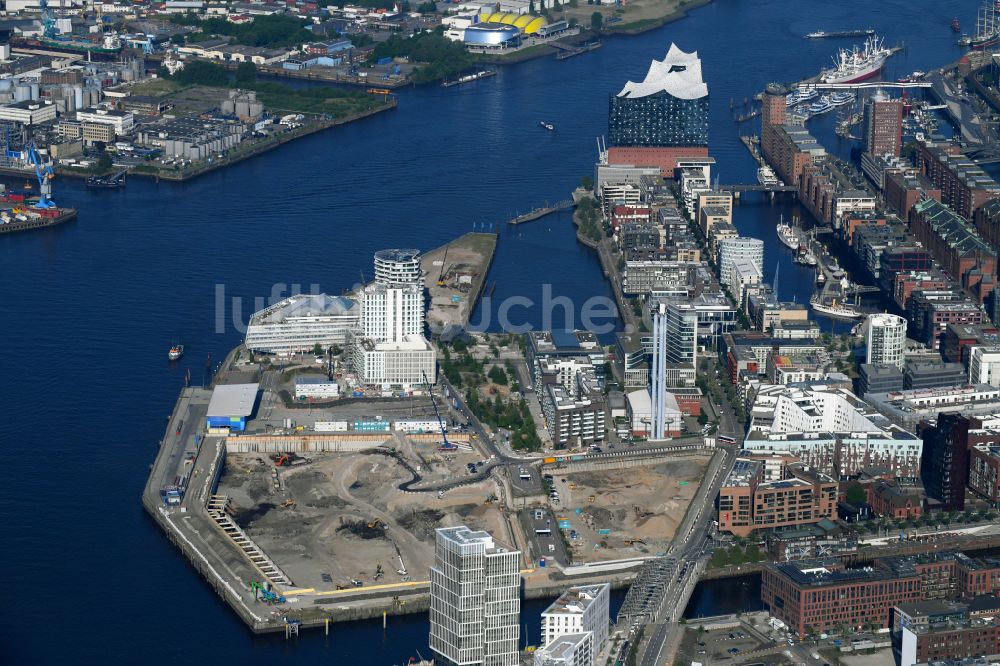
(679, 74)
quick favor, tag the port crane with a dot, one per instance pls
(445, 444)
(44, 173)
(265, 595)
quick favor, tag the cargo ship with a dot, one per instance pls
(857, 64)
(109, 45)
(987, 28)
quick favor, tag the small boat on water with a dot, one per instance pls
(549, 126)
(112, 182)
(175, 352)
(956, 26)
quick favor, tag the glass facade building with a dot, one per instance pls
(657, 120)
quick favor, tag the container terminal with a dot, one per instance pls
(27, 210)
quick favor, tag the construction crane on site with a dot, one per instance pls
(445, 444)
(44, 173)
(444, 264)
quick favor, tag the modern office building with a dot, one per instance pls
(475, 599)
(580, 609)
(297, 324)
(885, 335)
(880, 379)
(681, 321)
(733, 250)
(662, 118)
(946, 457)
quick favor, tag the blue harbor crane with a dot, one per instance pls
(445, 444)
(48, 22)
(44, 173)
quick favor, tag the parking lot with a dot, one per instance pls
(722, 646)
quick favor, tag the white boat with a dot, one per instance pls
(549, 126)
(822, 106)
(841, 98)
(835, 309)
(800, 96)
(766, 176)
(175, 352)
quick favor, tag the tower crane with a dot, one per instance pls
(445, 444)
(44, 173)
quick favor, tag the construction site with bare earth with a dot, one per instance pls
(295, 527)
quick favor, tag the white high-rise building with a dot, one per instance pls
(681, 320)
(475, 599)
(389, 348)
(984, 365)
(398, 267)
(580, 609)
(732, 250)
(390, 314)
(885, 335)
